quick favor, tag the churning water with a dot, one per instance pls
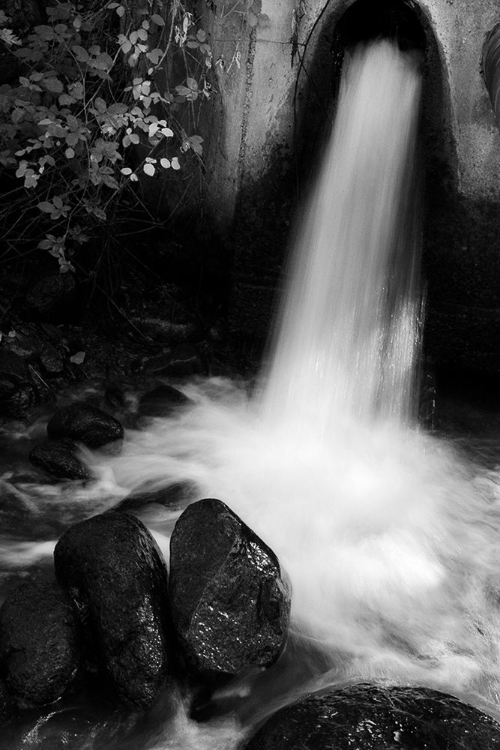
(389, 538)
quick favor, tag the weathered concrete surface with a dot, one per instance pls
(277, 94)
(274, 70)
(461, 28)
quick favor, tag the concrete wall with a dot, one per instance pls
(274, 92)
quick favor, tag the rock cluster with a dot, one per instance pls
(114, 615)
(71, 426)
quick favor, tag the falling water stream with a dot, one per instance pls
(389, 537)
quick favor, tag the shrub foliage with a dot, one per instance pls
(97, 107)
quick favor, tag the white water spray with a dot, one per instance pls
(388, 539)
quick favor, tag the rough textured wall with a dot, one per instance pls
(462, 241)
(275, 68)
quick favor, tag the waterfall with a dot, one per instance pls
(389, 537)
(347, 339)
(389, 544)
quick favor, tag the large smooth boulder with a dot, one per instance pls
(369, 717)
(40, 653)
(85, 423)
(230, 602)
(60, 459)
(113, 568)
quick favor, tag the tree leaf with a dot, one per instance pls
(80, 53)
(149, 169)
(46, 206)
(78, 358)
(54, 85)
(155, 55)
(65, 100)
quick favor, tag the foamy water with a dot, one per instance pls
(389, 538)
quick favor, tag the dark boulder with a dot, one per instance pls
(60, 459)
(112, 567)
(369, 717)
(39, 644)
(51, 360)
(85, 423)
(17, 391)
(162, 401)
(167, 331)
(230, 603)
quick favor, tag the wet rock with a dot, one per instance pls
(162, 401)
(113, 568)
(85, 423)
(168, 331)
(51, 360)
(39, 644)
(26, 340)
(172, 496)
(59, 458)
(230, 603)
(17, 392)
(53, 297)
(368, 717)
(183, 361)
(115, 397)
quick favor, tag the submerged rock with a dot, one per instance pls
(59, 458)
(230, 603)
(40, 653)
(112, 567)
(173, 497)
(162, 401)
(85, 423)
(369, 717)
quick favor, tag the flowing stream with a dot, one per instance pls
(388, 534)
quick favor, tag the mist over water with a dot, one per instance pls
(389, 538)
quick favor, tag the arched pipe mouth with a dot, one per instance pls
(368, 20)
(491, 68)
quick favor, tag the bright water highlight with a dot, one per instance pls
(390, 539)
